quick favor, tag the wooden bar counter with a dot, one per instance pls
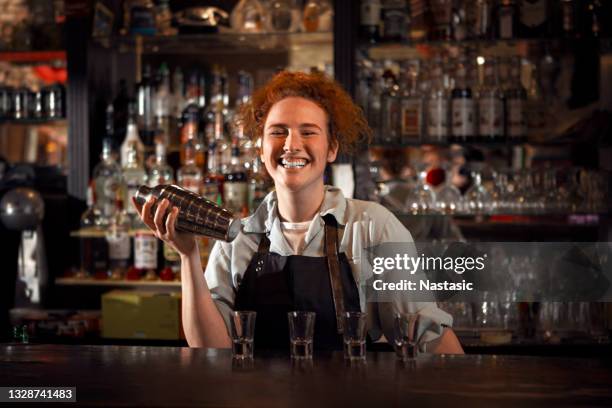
(179, 377)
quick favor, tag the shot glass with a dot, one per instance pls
(406, 331)
(243, 330)
(355, 326)
(301, 330)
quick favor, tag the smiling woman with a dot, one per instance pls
(301, 249)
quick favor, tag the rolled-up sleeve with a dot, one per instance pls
(219, 280)
(432, 318)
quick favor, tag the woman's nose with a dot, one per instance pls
(293, 142)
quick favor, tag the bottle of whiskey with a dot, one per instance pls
(235, 187)
(491, 104)
(189, 175)
(411, 105)
(463, 111)
(516, 99)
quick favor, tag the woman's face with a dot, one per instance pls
(295, 148)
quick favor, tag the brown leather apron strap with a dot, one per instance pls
(333, 265)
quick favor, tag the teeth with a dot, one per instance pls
(293, 163)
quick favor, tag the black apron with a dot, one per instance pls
(274, 285)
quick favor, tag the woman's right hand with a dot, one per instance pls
(183, 242)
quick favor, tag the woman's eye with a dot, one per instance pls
(277, 133)
(307, 133)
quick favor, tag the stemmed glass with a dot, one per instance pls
(421, 200)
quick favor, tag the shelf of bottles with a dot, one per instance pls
(248, 27)
(441, 71)
(212, 157)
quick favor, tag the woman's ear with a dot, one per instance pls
(332, 153)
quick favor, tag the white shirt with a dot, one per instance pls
(362, 224)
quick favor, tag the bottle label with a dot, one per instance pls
(170, 254)
(370, 12)
(463, 117)
(516, 118)
(119, 246)
(437, 124)
(533, 13)
(235, 195)
(131, 190)
(411, 119)
(491, 116)
(145, 251)
(394, 23)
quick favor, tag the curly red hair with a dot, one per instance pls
(347, 126)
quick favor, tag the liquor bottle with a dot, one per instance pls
(390, 110)
(119, 241)
(161, 172)
(281, 16)
(109, 127)
(420, 20)
(315, 11)
(568, 18)
(107, 180)
(259, 185)
(374, 105)
(461, 29)
(491, 104)
(93, 247)
(506, 20)
(213, 179)
(235, 187)
(442, 12)
(411, 105)
(134, 176)
(535, 18)
(189, 134)
(189, 175)
(145, 256)
(162, 105)
(483, 28)
(178, 95)
(437, 106)
(369, 25)
(463, 111)
(121, 112)
(516, 98)
(394, 16)
(536, 113)
(144, 103)
(223, 149)
(132, 139)
(245, 89)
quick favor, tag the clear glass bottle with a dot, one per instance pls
(281, 16)
(463, 109)
(134, 176)
(484, 19)
(491, 104)
(390, 110)
(235, 186)
(437, 106)
(189, 176)
(411, 105)
(132, 139)
(161, 172)
(249, 16)
(448, 198)
(93, 248)
(223, 149)
(213, 179)
(107, 179)
(516, 100)
(144, 103)
(477, 197)
(161, 106)
(119, 241)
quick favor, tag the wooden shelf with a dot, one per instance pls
(32, 56)
(101, 233)
(117, 283)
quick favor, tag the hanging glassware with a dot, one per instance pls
(477, 198)
(422, 198)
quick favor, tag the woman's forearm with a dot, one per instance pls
(203, 324)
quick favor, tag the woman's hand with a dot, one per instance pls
(184, 243)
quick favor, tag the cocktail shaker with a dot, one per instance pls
(197, 215)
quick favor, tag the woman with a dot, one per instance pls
(301, 248)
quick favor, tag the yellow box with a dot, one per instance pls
(141, 315)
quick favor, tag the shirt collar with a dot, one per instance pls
(262, 220)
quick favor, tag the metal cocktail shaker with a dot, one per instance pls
(196, 214)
